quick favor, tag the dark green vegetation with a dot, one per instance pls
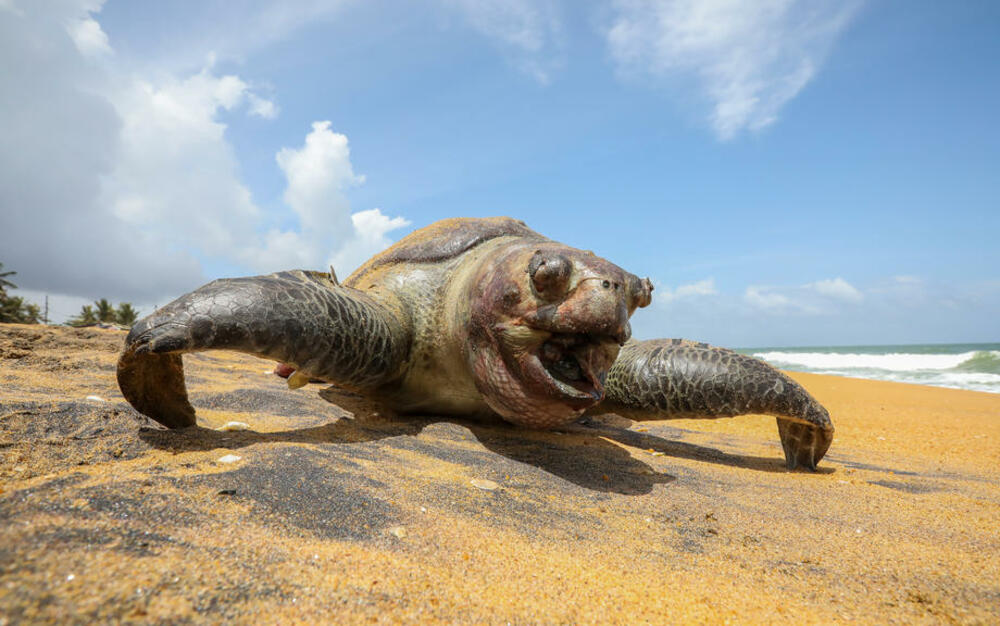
(13, 309)
(103, 311)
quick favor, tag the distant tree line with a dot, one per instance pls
(104, 311)
(14, 310)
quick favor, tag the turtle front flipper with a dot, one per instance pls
(330, 332)
(674, 378)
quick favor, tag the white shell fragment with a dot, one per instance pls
(229, 426)
(485, 485)
(229, 458)
(96, 398)
(398, 532)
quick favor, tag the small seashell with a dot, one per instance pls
(398, 532)
(228, 426)
(485, 485)
(229, 458)
(96, 398)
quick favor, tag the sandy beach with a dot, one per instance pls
(314, 516)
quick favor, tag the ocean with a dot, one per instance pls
(974, 366)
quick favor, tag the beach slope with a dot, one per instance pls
(315, 515)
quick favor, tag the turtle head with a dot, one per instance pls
(546, 322)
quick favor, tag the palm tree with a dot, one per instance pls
(126, 315)
(14, 310)
(105, 311)
(4, 283)
(85, 318)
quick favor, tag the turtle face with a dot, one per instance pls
(546, 323)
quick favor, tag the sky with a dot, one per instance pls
(787, 172)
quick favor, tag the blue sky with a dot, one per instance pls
(787, 172)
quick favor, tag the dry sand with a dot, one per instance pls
(327, 518)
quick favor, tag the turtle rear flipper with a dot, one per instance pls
(334, 333)
(673, 378)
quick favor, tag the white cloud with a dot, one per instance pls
(766, 298)
(122, 183)
(176, 175)
(826, 296)
(90, 40)
(748, 58)
(530, 30)
(61, 134)
(664, 294)
(837, 288)
(318, 175)
(261, 107)
(370, 228)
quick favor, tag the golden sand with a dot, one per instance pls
(326, 518)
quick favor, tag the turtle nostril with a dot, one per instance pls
(606, 284)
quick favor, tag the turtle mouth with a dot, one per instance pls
(542, 377)
(575, 364)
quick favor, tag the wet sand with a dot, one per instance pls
(322, 517)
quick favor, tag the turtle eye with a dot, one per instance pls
(550, 273)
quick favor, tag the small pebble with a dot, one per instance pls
(229, 458)
(398, 532)
(485, 485)
(234, 426)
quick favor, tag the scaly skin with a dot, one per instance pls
(674, 378)
(301, 318)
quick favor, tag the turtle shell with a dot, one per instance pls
(445, 240)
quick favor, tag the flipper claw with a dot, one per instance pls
(804, 444)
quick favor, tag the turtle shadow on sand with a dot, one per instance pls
(588, 454)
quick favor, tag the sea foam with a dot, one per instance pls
(971, 369)
(893, 362)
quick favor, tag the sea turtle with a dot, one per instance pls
(468, 317)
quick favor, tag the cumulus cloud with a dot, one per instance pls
(60, 141)
(122, 184)
(748, 58)
(318, 175)
(262, 107)
(529, 30)
(175, 174)
(88, 36)
(837, 288)
(665, 294)
(820, 297)
(767, 299)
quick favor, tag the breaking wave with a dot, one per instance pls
(942, 366)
